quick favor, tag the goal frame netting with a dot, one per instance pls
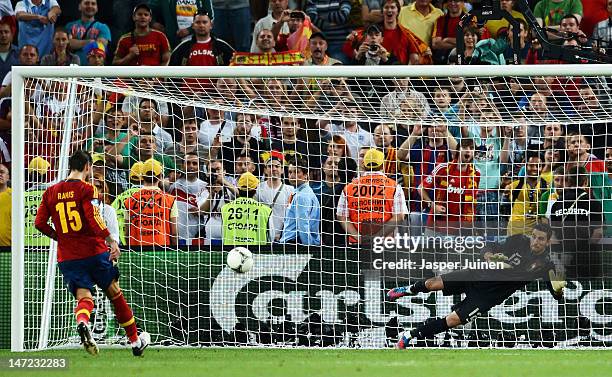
(22, 73)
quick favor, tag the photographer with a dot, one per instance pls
(221, 189)
(371, 50)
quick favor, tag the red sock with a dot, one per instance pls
(125, 317)
(83, 309)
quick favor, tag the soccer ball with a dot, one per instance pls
(240, 259)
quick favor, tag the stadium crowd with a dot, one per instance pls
(493, 155)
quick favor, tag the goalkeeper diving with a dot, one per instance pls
(525, 259)
(86, 253)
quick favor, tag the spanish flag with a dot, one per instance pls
(299, 40)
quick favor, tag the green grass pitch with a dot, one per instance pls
(329, 363)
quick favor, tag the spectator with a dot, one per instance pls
(114, 131)
(442, 99)
(517, 147)
(524, 195)
(152, 212)
(404, 102)
(570, 28)
(221, 189)
(215, 126)
(318, 51)
(332, 232)
(420, 18)
(245, 164)
(28, 55)
(233, 23)
(7, 15)
(118, 204)
(104, 208)
(5, 206)
(143, 46)
(471, 35)
(189, 142)
(141, 149)
(444, 37)
(86, 30)
(549, 13)
(189, 191)
(265, 41)
(578, 151)
(454, 186)
(371, 51)
(296, 37)
(488, 160)
(203, 48)
(383, 141)
(60, 55)
(332, 18)
(96, 54)
(302, 219)
(289, 143)
(9, 53)
(277, 9)
(337, 147)
(274, 193)
(592, 13)
(116, 177)
(149, 123)
(246, 221)
(330, 178)
(36, 23)
(243, 142)
(495, 26)
(373, 204)
(426, 147)
(602, 33)
(350, 130)
(37, 177)
(177, 17)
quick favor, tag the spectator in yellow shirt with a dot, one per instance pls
(420, 18)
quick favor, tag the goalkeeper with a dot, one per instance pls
(525, 259)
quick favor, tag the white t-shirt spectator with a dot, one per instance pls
(209, 130)
(214, 224)
(279, 203)
(189, 195)
(354, 140)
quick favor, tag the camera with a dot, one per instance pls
(373, 48)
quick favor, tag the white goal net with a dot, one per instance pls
(472, 156)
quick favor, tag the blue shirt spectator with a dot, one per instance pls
(37, 23)
(303, 216)
(332, 18)
(87, 29)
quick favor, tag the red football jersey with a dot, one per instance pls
(152, 46)
(79, 229)
(454, 189)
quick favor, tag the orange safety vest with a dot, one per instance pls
(149, 217)
(370, 202)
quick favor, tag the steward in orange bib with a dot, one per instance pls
(373, 204)
(151, 212)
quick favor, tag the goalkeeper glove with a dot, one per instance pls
(557, 280)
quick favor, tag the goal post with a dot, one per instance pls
(315, 296)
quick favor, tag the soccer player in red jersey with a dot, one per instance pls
(83, 254)
(143, 46)
(454, 185)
